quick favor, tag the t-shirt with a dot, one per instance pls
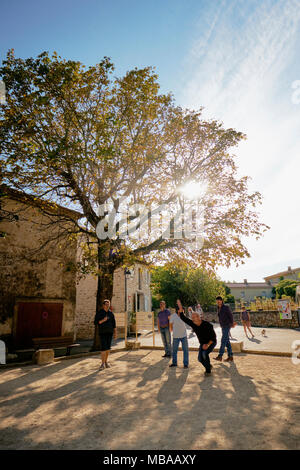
(163, 318)
(179, 329)
(107, 326)
(245, 315)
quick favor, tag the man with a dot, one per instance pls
(163, 327)
(226, 322)
(205, 334)
(199, 310)
(106, 322)
(179, 335)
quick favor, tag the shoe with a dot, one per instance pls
(107, 365)
(102, 367)
(185, 367)
(218, 358)
(173, 365)
(207, 374)
(229, 359)
(166, 355)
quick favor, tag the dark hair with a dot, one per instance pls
(219, 298)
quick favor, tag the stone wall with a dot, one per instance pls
(86, 297)
(31, 273)
(263, 319)
(86, 291)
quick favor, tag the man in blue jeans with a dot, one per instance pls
(179, 335)
(226, 322)
(205, 333)
(163, 327)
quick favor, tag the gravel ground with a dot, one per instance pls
(140, 403)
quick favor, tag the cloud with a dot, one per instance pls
(241, 69)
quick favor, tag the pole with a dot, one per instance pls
(153, 329)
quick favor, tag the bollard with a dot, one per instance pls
(43, 356)
(2, 352)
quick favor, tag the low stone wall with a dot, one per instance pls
(262, 318)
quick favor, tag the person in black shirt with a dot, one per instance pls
(205, 334)
(106, 322)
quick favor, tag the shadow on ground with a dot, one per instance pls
(140, 403)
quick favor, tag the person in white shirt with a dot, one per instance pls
(199, 310)
(177, 326)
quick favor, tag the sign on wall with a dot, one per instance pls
(284, 309)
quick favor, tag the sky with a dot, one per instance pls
(239, 59)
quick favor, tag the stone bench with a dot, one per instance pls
(132, 345)
(58, 342)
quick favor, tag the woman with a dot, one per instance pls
(245, 317)
(106, 322)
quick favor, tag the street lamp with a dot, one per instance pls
(127, 273)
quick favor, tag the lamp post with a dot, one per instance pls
(127, 273)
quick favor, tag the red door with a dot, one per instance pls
(37, 320)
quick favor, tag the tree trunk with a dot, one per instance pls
(105, 286)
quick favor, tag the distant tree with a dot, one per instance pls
(191, 285)
(230, 299)
(286, 287)
(168, 283)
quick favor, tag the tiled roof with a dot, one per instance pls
(253, 285)
(284, 273)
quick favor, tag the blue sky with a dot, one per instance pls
(237, 58)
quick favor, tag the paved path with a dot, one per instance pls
(275, 339)
(140, 403)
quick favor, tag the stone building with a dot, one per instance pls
(247, 291)
(37, 283)
(288, 274)
(131, 293)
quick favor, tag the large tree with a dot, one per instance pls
(82, 138)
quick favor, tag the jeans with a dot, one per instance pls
(225, 342)
(166, 339)
(203, 356)
(185, 348)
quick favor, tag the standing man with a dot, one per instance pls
(106, 322)
(163, 327)
(206, 335)
(226, 322)
(179, 335)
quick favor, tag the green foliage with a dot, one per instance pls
(286, 287)
(168, 283)
(230, 299)
(190, 285)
